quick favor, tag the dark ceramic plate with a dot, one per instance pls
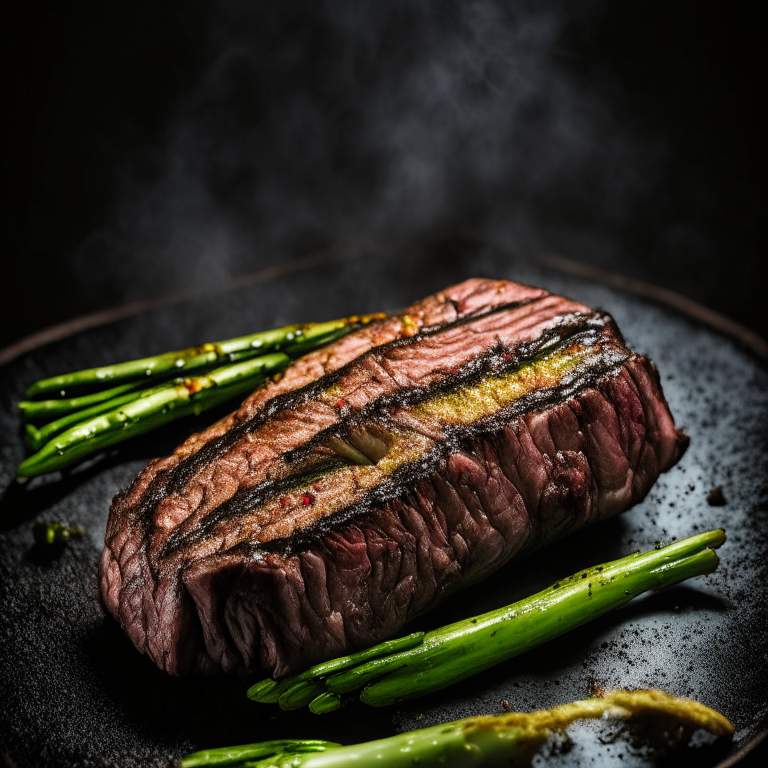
(75, 692)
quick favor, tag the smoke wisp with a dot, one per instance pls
(331, 122)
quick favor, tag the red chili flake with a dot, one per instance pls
(308, 499)
(341, 403)
(507, 356)
(283, 501)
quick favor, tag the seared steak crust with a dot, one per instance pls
(380, 474)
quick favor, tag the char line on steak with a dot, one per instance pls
(381, 473)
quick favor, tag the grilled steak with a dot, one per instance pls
(380, 474)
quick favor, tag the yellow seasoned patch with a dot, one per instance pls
(469, 403)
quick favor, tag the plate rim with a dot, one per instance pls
(665, 296)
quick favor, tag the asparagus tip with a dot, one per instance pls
(325, 702)
(263, 691)
(299, 695)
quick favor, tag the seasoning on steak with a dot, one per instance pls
(410, 458)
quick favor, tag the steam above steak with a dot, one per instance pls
(380, 474)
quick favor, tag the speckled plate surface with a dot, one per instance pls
(75, 692)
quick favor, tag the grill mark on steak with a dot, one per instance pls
(217, 447)
(174, 481)
(575, 329)
(407, 476)
(586, 374)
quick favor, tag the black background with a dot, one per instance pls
(90, 90)
(94, 94)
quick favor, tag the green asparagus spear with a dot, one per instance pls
(510, 739)
(447, 655)
(36, 410)
(36, 438)
(300, 338)
(270, 691)
(266, 750)
(160, 406)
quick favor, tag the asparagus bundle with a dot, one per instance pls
(423, 663)
(89, 410)
(509, 739)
